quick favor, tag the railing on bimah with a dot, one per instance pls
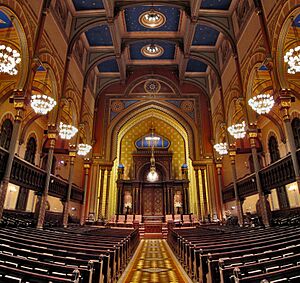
(29, 176)
(277, 174)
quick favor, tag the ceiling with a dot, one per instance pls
(125, 34)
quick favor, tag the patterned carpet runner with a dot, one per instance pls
(154, 263)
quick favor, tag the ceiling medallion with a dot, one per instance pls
(117, 106)
(152, 50)
(187, 106)
(152, 19)
(152, 86)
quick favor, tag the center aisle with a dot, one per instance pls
(154, 262)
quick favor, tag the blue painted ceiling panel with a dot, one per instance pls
(216, 4)
(196, 66)
(99, 36)
(205, 36)
(83, 5)
(109, 66)
(296, 22)
(132, 15)
(136, 54)
(5, 22)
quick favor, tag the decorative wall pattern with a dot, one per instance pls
(185, 105)
(161, 128)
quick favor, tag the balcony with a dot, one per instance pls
(29, 176)
(277, 174)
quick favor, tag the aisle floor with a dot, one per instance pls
(154, 262)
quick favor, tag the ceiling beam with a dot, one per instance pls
(188, 40)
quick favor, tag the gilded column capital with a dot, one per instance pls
(253, 134)
(285, 100)
(52, 132)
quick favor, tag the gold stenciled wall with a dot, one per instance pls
(161, 128)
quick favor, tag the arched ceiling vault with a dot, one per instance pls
(116, 35)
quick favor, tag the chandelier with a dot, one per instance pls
(152, 175)
(67, 131)
(262, 103)
(42, 104)
(83, 149)
(292, 58)
(238, 130)
(9, 59)
(221, 148)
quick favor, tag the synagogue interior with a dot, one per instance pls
(149, 141)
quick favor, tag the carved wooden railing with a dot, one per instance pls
(29, 176)
(26, 175)
(277, 174)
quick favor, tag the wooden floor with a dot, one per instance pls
(154, 262)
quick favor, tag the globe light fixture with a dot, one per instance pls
(152, 175)
(238, 130)
(262, 103)
(84, 149)
(152, 19)
(9, 59)
(42, 104)
(221, 148)
(292, 58)
(152, 50)
(66, 132)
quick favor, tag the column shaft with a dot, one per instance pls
(44, 197)
(83, 208)
(9, 162)
(220, 183)
(236, 194)
(72, 155)
(107, 192)
(198, 193)
(262, 199)
(100, 201)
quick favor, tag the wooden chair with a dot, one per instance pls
(129, 219)
(112, 220)
(138, 218)
(186, 220)
(177, 219)
(169, 217)
(121, 219)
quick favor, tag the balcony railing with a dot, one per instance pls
(275, 175)
(27, 175)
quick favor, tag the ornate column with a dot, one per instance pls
(172, 200)
(198, 194)
(72, 155)
(204, 194)
(220, 183)
(165, 199)
(232, 154)
(184, 171)
(86, 167)
(20, 107)
(285, 102)
(100, 200)
(52, 136)
(252, 132)
(107, 191)
(133, 199)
